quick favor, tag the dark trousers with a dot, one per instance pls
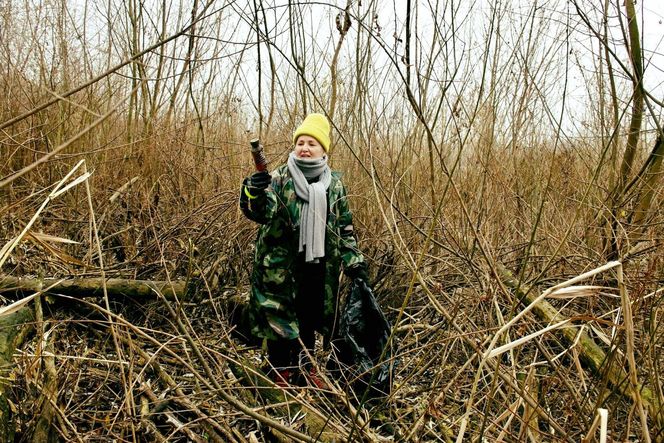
(284, 353)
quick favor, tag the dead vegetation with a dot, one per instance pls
(473, 196)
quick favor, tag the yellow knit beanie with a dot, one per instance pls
(316, 126)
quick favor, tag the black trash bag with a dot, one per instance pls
(241, 321)
(362, 336)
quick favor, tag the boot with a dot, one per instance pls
(316, 380)
(281, 377)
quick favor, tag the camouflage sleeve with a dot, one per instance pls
(258, 208)
(351, 256)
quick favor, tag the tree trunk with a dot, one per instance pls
(44, 430)
(650, 178)
(637, 97)
(626, 167)
(14, 329)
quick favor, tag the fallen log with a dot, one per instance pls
(91, 287)
(590, 352)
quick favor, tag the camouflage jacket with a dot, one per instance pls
(274, 278)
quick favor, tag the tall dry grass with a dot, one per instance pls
(451, 176)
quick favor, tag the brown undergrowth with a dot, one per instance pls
(179, 220)
(469, 197)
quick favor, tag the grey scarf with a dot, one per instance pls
(314, 210)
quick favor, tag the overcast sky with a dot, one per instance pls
(573, 67)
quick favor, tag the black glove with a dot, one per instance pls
(358, 272)
(259, 181)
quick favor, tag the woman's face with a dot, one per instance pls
(308, 147)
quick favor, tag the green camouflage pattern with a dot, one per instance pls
(271, 311)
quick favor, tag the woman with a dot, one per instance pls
(305, 238)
